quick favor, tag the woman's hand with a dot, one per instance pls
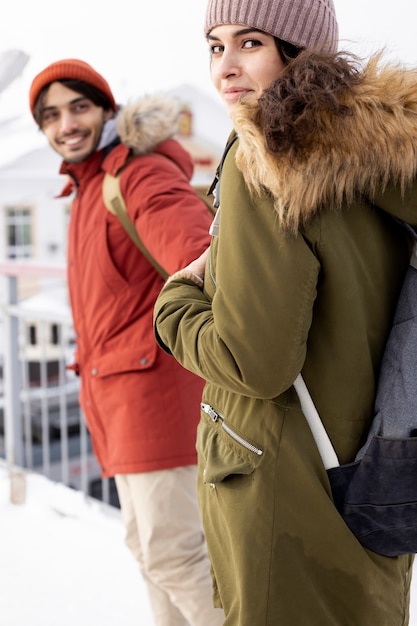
(193, 271)
(198, 266)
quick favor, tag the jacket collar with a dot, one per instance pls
(103, 160)
(346, 155)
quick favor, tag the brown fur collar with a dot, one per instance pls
(144, 124)
(370, 140)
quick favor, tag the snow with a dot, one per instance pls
(64, 561)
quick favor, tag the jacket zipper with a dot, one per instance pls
(215, 416)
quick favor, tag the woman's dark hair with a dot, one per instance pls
(96, 96)
(312, 84)
(287, 51)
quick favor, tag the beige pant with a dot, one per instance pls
(163, 530)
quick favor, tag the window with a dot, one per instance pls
(32, 335)
(55, 334)
(19, 232)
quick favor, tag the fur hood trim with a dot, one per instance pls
(344, 155)
(148, 122)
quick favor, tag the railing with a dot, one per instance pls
(42, 423)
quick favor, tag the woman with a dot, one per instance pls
(302, 274)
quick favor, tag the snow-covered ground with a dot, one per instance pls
(63, 561)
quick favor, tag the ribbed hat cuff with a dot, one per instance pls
(303, 23)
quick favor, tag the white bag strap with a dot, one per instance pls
(324, 445)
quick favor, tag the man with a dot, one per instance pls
(141, 407)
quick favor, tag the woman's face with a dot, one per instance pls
(244, 62)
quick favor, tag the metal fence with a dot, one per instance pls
(41, 423)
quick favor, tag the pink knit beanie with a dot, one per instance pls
(303, 23)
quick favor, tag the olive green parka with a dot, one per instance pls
(303, 276)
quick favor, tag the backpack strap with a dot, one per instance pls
(215, 185)
(114, 201)
(318, 431)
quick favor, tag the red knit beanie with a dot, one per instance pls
(69, 68)
(303, 23)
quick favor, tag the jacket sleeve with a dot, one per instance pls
(251, 337)
(171, 220)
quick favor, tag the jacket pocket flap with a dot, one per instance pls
(124, 361)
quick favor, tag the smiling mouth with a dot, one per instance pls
(236, 95)
(72, 140)
(237, 91)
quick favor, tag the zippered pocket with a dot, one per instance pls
(215, 416)
(223, 452)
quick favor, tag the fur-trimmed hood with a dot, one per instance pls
(347, 140)
(148, 122)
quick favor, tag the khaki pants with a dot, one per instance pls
(164, 533)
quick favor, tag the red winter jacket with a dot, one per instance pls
(141, 406)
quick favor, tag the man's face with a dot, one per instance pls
(72, 123)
